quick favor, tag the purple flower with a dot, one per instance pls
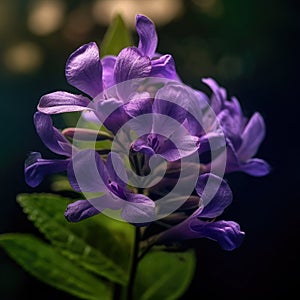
(201, 122)
(141, 61)
(88, 173)
(243, 138)
(161, 124)
(171, 121)
(36, 168)
(86, 72)
(162, 65)
(202, 224)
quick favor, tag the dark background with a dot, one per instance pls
(250, 48)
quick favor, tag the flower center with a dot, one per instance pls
(153, 141)
(116, 189)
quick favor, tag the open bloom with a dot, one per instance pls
(141, 61)
(36, 168)
(161, 124)
(88, 173)
(93, 76)
(202, 224)
(243, 137)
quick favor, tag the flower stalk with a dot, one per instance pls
(134, 263)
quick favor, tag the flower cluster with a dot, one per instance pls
(169, 145)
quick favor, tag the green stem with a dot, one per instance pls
(134, 264)
(147, 246)
(117, 291)
(145, 252)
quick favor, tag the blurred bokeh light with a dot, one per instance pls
(213, 8)
(45, 16)
(25, 57)
(78, 23)
(160, 11)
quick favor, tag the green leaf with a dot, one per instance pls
(164, 275)
(60, 183)
(75, 241)
(119, 237)
(97, 145)
(116, 38)
(44, 262)
(71, 118)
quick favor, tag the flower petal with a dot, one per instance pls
(164, 66)
(111, 113)
(219, 94)
(90, 116)
(61, 102)
(234, 107)
(141, 145)
(252, 136)
(139, 104)
(50, 136)
(178, 146)
(226, 233)
(215, 194)
(108, 65)
(232, 127)
(214, 86)
(87, 172)
(195, 117)
(80, 210)
(36, 168)
(172, 100)
(131, 64)
(212, 141)
(232, 161)
(255, 167)
(169, 109)
(139, 109)
(84, 70)
(116, 169)
(147, 34)
(139, 209)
